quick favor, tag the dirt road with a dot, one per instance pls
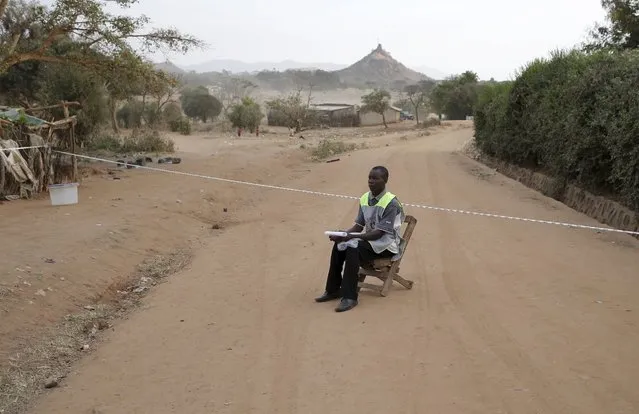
(505, 317)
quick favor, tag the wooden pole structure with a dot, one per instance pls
(74, 159)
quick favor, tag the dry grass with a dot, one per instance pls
(138, 141)
(470, 149)
(5, 291)
(328, 148)
(39, 363)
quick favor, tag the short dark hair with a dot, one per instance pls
(383, 170)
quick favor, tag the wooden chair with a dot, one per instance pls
(387, 270)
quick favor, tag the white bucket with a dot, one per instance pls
(63, 194)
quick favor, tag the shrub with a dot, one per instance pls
(138, 141)
(104, 142)
(181, 125)
(147, 141)
(575, 115)
(429, 122)
(327, 148)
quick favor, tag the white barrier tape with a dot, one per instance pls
(448, 210)
(23, 148)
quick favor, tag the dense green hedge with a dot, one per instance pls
(575, 116)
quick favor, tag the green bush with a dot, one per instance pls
(181, 125)
(575, 116)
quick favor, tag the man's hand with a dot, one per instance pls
(339, 239)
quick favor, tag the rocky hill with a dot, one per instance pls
(169, 67)
(379, 68)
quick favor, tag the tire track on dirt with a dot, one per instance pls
(416, 259)
(569, 342)
(464, 291)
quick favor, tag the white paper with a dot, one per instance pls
(339, 233)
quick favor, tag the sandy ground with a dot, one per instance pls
(504, 317)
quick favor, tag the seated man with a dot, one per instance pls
(379, 220)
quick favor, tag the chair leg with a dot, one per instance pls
(360, 279)
(408, 284)
(388, 281)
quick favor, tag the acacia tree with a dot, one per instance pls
(101, 37)
(377, 101)
(161, 87)
(418, 94)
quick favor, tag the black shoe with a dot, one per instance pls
(346, 305)
(327, 297)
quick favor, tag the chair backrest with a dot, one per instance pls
(405, 236)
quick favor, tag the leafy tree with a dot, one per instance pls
(621, 30)
(293, 110)
(418, 95)
(199, 104)
(172, 112)
(456, 96)
(246, 115)
(56, 84)
(36, 28)
(83, 36)
(377, 101)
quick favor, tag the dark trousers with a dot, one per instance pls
(350, 260)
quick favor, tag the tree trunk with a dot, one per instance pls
(114, 118)
(384, 120)
(417, 115)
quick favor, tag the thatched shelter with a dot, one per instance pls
(28, 171)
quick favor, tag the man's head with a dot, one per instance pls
(377, 179)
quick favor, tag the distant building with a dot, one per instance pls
(336, 114)
(392, 115)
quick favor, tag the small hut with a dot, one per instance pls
(30, 167)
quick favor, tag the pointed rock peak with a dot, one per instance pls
(379, 53)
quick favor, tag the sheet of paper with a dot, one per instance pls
(339, 233)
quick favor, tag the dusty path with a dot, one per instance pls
(505, 317)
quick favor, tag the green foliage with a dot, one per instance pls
(246, 115)
(130, 115)
(181, 125)
(621, 30)
(574, 116)
(31, 30)
(377, 101)
(198, 103)
(456, 96)
(172, 112)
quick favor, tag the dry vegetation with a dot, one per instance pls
(45, 363)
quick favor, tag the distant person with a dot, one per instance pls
(379, 220)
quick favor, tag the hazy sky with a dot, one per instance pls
(491, 37)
